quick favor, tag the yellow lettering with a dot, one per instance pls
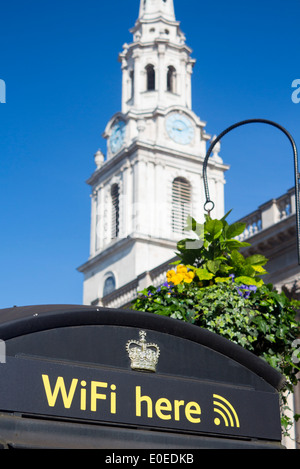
(83, 396)
(177, 404)
(113, 404)
(94, 395)
(59, 386)
(163, 405)
(139, 400)
(192, 407)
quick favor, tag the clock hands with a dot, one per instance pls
(180, 126)
(179, 129)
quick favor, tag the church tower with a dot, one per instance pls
(150, 179)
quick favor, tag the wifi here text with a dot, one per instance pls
(100, 396)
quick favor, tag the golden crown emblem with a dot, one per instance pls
(143, 355)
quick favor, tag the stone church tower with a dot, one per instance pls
(151, 176)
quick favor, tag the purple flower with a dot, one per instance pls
(247, 289)
(167, 284)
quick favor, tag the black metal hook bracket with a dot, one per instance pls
(210, 203)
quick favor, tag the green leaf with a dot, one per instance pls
(223, 280)
(175, 263)
(237, 258)
(235, 229)
(226, 215)
(262, 325)
(213, 266)
(214, 228)
(203, 274)
(246, 280)
(235, 244)
(256, 259)
(259, 269)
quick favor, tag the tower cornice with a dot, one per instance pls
(158, 19)
(130, 156)
(130, 49)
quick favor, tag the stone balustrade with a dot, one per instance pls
(268, 214)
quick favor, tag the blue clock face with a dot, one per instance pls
(117, 136)
(180, 129)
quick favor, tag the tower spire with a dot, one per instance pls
(157, 65)
(152, 9)
(155, 151)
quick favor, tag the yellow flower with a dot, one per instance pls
(189, 276)
(181, 269)
(182, 275)
(170, 275)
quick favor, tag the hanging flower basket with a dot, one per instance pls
(214, 286)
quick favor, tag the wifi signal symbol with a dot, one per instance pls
(226, 411)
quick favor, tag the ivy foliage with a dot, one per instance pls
(214, 286)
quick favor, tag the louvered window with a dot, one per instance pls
(115, 211)
(181, 204)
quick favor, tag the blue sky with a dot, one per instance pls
(59, 60)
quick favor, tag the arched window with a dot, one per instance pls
(109, 285)
(181, 204)
(171, 79)
(150, 77)
(115, 211)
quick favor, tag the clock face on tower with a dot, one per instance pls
(117, 136)
(180, 128)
